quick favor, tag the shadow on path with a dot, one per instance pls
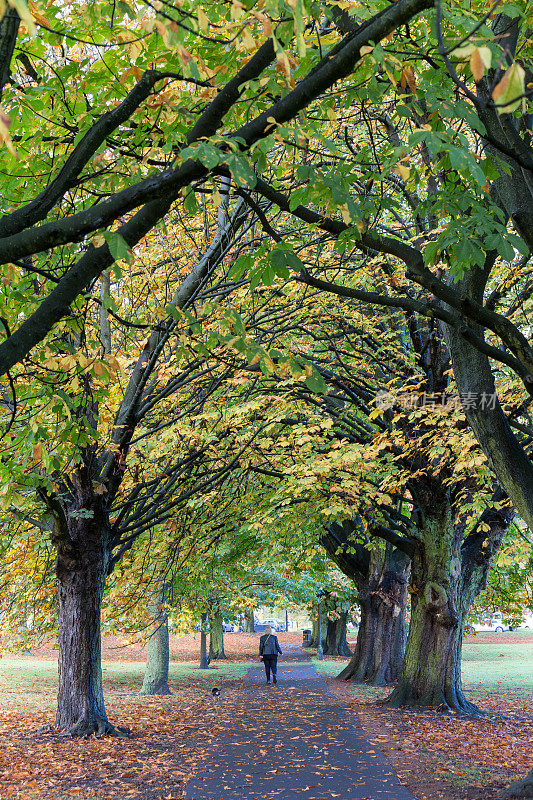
(294, 739)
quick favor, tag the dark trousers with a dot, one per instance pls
(271, 663)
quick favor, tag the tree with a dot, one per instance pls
(216, 630)
(336, 609)
(157, 658)
(80, 471)
(185, 148)
(381, 578)
(406, 465)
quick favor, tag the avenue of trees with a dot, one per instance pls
(265, 327)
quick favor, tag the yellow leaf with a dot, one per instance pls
(284, 63)
(203, 21)
(365, 50)
(346, 218)
(507, 93)
(248, 40)
(463, 52)
(5, 123)
(236, 10)
(98, 240)
(24, 13)
(37, 453)
(479, 61)
(404, 171)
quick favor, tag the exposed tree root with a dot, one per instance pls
(437, 702)
(161, 688)
(94, 726)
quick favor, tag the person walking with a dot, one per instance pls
(268, 651)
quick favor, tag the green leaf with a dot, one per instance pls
(118, 247)
(241, 170)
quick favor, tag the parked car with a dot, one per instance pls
(229, 627)
(266, 623)
(492, 623)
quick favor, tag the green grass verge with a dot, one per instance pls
(487, 665)
(499, 665)
(329, 668)
(35, 675)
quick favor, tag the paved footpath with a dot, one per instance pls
(294, 740)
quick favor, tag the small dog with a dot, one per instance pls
(215, 691)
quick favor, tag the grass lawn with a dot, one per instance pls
(36, 679)
(490, 662)
(506, 663)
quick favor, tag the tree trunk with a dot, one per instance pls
(380, 646)
(157, 658)
(314, 633)
(431, 674)
(216, 637)
(249, 621)
(522, 788)
(9, 26)
(336, 642)
(204, 661)
(81, 573)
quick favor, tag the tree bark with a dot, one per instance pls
(380, 646)
(314, 632)
(380, 576)
(9, 27)
(249, 621)
(336, 642)
(81, 570)
(158, 655)
(204, 661)
(216, 637)
(431, 674)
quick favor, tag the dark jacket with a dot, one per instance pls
(269, 645)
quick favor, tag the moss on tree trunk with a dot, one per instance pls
(447, 573)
